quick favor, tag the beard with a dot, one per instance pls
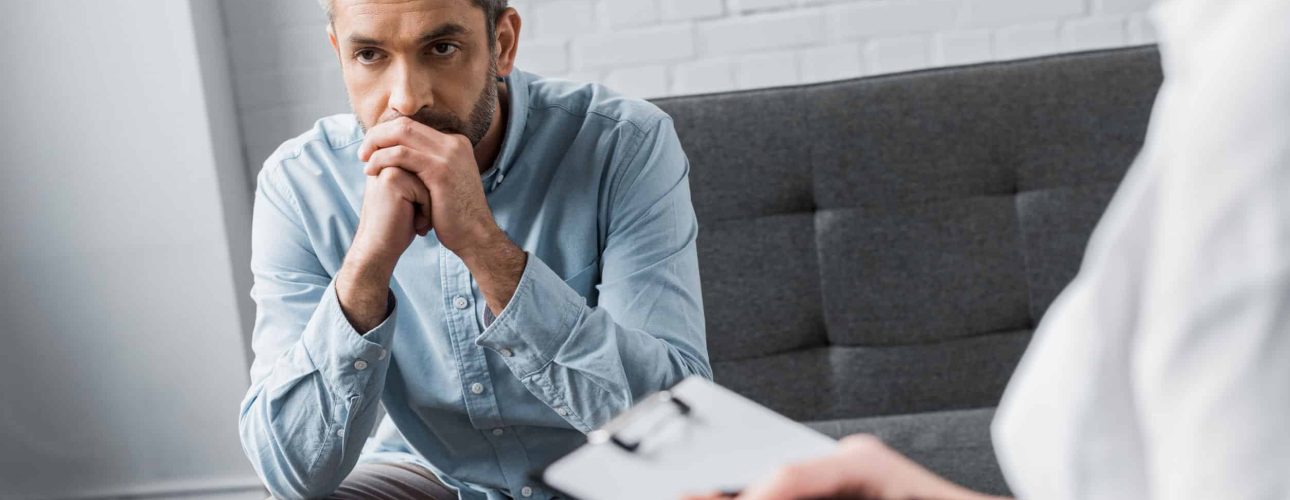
(473, 127)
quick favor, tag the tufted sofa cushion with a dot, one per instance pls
(885, 246)
(955, 443)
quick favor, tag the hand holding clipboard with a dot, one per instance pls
(696, 437)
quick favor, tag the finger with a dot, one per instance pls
(421, 204)
(399, 131)
(416, 162)
(423, 221)
(821, 477)
(425, 218)
(413, 191)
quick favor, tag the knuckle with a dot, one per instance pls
(388, 175)
(787, 478)
(861, 439)
(786, 475)
(378, 157)
(399, 152)
(863, 444)
(438, 172)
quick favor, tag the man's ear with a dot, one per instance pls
(331, 36)
(508, 40)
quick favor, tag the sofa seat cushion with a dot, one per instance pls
(955, 444)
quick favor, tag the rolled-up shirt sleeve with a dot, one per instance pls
(315, 381)
(646, 331)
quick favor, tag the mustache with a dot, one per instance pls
(443, 122)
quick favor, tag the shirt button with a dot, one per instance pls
(506, 353)
(477, 388)
(526, 491)
(498, 432)
(360, 365)
(562, 411)
(340, 432)
(381, 355)
(459, 302)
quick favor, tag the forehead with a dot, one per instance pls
(387, 19)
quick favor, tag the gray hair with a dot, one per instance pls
(491, 8)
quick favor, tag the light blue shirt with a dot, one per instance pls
(593, 186)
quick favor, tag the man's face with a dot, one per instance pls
(430, 60)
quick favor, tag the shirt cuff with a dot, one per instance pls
(344, 357)
(536, 322)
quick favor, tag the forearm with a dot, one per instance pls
(319, 366)
(496, 264)
(604, 368)
(304, 441)
(362, 287)
(580, 360)
(310, 407)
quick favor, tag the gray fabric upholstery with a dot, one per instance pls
(955, 444)
(885, 246)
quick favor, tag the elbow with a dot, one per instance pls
(284, 473)
(286, 481)
(702, 369)
(695, 364)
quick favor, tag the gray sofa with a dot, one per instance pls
(875, 253)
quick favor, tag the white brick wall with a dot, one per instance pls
(1026, 41)
(285, 74)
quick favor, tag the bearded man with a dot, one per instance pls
(502, 261)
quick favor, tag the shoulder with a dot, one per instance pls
(594, 104)
(313, 154)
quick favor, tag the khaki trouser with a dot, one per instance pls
(391, 481)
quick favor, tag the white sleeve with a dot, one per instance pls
(1163, 371)
(1211, 360)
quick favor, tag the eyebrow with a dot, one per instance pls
(443, 30)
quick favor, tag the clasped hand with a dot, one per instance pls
(421, 179)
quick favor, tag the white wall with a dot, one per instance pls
(121, 290)
(286, 75)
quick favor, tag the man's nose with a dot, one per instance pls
(410, 91)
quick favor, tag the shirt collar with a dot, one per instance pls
(517, 86)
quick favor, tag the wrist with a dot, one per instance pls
(362, 288)
(496, 264)
(487, 239)
(368, 261)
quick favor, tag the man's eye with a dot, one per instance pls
(443, 49)
(367, 56)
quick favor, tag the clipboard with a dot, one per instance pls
(694, 438)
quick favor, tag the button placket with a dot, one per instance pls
(481, 407)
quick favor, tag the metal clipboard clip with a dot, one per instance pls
(615, 431)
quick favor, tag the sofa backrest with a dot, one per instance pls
(886, 245)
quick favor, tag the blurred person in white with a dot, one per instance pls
(1163, 370)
